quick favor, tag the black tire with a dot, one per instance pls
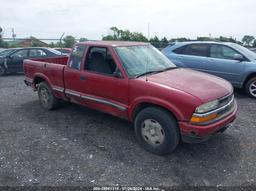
(2, 71)
(250, 87)
(168, 124)
(46, 97)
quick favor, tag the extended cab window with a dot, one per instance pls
(222, 52)
(36, 53)
(99, 60)
(196, 50)
(76, 56)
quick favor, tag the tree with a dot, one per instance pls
(203, 38)
(248, 40)
(125, 35)
(82, 39)
(69, 41)
(2, 43)
(164, 42)
(108, 37)
(254, 43)
(226, 39)
(181, 39)
(155, 42)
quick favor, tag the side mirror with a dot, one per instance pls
(117, 73)
(239, 57)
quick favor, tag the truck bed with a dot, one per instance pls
(51, 69)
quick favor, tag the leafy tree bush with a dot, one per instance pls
(69, 41)
(248, 40)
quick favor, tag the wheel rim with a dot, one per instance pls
(252, 88)
(44, 96)
(152, 132)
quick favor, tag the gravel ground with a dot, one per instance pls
(76, 146)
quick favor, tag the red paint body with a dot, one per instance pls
(180, 91)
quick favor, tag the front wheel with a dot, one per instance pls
(250, 87)
(46, 98)
(2, 71)
(157, 130)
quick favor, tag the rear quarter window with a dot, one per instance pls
(194, 50)
(76, 56)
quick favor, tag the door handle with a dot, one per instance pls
(82, 78)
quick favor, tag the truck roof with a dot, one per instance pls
(113, 43)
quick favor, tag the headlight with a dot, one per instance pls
(207, 107)
(201, 116)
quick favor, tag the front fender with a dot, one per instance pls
(155, 101)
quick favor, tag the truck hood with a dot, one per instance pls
(204, 86)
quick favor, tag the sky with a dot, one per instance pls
(93, 18)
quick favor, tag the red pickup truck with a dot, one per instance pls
(136, 82)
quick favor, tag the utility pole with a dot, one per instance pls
(13, 34)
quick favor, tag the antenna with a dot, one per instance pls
(147, 52)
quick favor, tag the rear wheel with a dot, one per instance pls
(250, 87)
(2, 71)
(46, 98)
(156, 130)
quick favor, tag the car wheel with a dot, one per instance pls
(46, 98)
(157, 130)
(2, 71)
(250, 87)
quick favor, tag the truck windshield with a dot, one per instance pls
(139, 60)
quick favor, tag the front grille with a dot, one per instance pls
(227, 109)
(225, 100)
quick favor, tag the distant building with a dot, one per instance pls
(32, 41)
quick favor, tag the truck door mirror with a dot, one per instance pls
(117, 73)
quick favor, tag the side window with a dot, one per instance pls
(99, 60)
(76, 56)
(20, 54)
(36, 53)
(222, 52)
(179, 50)
(196, 50)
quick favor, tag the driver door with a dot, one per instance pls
(223, 64)
(104, 86)
(15, 60)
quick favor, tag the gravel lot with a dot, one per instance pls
(77, 146)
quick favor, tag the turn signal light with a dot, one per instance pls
(197, 119)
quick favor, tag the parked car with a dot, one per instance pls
(253, 49)
(11, 60)
(226, 60)
(137, 82)
(65, 51)
(6, 51)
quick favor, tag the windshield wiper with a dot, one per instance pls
(145, 73)
(166, 69)
(157, 71)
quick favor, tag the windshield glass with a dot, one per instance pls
(248, 53)
(138, 60)
(5, 52)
